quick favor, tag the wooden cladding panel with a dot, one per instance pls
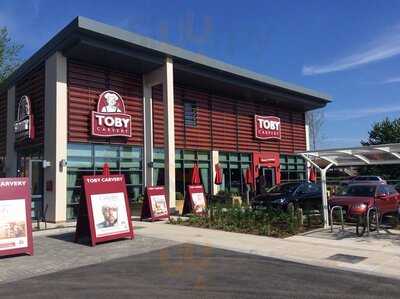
(246, 140)
(222, 123)
(85, 84)
(198, 137)
(158, 116)
(32, 85)
(3, 123)
(225, 124)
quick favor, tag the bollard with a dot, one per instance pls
(341, 217)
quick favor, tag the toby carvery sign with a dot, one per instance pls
(24, 127)
(110, 118)
(267, 127)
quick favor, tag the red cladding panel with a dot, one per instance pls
(32, 85)
(158, 117)
(227, 124)
(223, 124)
(3, 123)
(85, 84)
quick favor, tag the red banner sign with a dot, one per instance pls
(24, 127)
(104, 212)
(195, 201)
(155, 205)
(110, 118)
(15, 217)
(267, 127)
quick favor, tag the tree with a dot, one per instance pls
(9, 51)
(383, 132)
(315, 121)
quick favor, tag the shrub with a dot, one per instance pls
(267, 222)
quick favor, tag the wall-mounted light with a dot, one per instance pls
(46, 164)
(63, 163)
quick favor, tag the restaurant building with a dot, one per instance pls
(95, 93)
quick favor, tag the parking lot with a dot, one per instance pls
(154, 267)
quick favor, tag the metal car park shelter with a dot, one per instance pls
(383, 154)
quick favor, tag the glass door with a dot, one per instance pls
(36, 177)
(269, 176)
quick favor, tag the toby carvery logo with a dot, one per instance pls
(267, 127)
(110, 118)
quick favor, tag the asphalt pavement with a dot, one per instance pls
(187, 271)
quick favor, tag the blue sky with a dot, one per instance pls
(347, 49)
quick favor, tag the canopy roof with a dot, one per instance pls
(366, 155)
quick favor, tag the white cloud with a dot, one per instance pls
(360, 113)
(391, 80)
(384, 47)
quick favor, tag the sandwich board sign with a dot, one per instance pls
(195, 201)
(104, 212)
(155, 206)
(15, 217)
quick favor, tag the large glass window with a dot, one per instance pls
(88, 159)
(234, 166)
(184, 162)
(293, 168)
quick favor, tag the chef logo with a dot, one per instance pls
(110, 118)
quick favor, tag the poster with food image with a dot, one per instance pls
(13, 224)
(109, 214)
(159, 205)
(199, 202)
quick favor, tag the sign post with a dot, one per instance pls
(155, 205)
(15, 217)
(104, 212)
(195, 201)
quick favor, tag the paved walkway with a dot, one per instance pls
(54, 251)
(376, 255)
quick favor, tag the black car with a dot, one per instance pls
(305, 195)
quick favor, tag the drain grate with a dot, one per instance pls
(346, 258)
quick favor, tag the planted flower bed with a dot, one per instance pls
(268, 222)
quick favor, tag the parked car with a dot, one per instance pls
(356, 199)
(363, 179)
(305, 195)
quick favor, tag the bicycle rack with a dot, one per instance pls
(376, 217)
(341, 217)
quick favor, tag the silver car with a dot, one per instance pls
(363, 179)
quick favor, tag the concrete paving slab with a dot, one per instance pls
(54, 250)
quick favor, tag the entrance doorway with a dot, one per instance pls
(33, 168)
(36, 178)
(269, 176)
